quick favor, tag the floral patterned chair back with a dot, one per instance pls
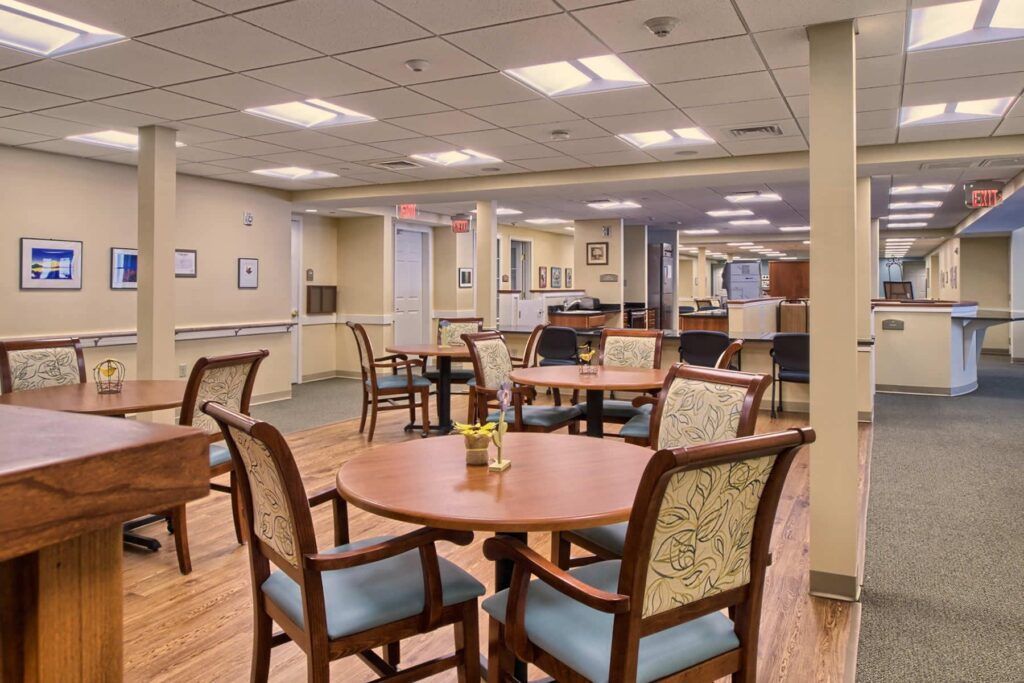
(36, 364)
(631, 348)
(227, 380)
(450, 330)
(492, 361)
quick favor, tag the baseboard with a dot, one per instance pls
(926, 391)
(790, 406)
(995, 352)
(317, 376)
(271, 397)
(865, 416)
(834, 586)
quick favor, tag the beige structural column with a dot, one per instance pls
(157, 219)
(702, 273)
(487, 262)
(864, 258)
(835, 504)
(875, 244)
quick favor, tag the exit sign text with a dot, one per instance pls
(981, 195)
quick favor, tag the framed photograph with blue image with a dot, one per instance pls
(124, 268)
(51, 264)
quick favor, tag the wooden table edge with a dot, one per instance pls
(582, 385)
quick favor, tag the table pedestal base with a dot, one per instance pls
(595, 413)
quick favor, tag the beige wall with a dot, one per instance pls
(634, 263)
(949, 270)
(686, 269)
(589, 277)
(319, 333)
(365, 285)
(451, 252)
(985, 278)
(549, 249)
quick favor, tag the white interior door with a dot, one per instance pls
(296, 271)
(409, 290)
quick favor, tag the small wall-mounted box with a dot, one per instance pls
(321, 299)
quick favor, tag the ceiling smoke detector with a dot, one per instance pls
(559, 135)
(417, 65)
(661, 26)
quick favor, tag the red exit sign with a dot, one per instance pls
(460, 225)
(407, 211)
(981, 195)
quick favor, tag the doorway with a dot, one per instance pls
(520, 265)
(296, 299)
(412, 286)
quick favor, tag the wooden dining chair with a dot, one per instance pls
(696, 405)
(351, 598)
(698, 543)
(229, 380)
(492, 364)
(627, 348)
(449, 333)
(527, 360)
(39, 363)
(389, 392)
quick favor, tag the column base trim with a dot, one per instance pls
(835, 586)
(926, 391)
(865, 416)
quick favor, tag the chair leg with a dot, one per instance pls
(557, 395)
(774, 382)
(318, 669)
(366, 403)
(467, 644)
(373, 420)
(393, 653)
(261, 643)
(499, 658)
(412, 408)
(426, 410)
(574, 427)
(561, 550)
(181, 539)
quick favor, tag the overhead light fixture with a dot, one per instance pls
(47, 34)
(310, 114)
(701, 231)
(889, 240)
(907, 216)
(609, 204)
(668, 138)
(739, 244)
(796, 228)
(788, 258)
(294, 173)
(112, 138)
(571, 228)
(726, 213)
(807, 241)
(751, 197)
(465, 157)
(913, 224)
(954, 112)
(310, 210)
(577, 76)
(504, 211)
(932, 188)
(964, 23)
(929, 204)
(751, 221)
(547, 221)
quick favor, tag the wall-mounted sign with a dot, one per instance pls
(982, 194)
(609, 278)
(460, 225)
(407, 211)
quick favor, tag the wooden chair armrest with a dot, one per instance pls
(402, 363)
(323, 496)
(339, 508)
(394, 356)
(325, 562)
(645, 401)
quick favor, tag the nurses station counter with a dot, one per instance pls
(931, 347)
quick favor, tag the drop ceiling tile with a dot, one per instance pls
(9, 57)
(883, 118)
(166, 105)
(579, 128)
(378, 176)
(552, 163)
(696, 60)
(355, 153)
(965, 61)
(232, 6)
(299, 158)
(77, 149)
(444, 61)
(687, 153)
(441, 123)
(1017, 109)
(332, 27)
(130, 17)
(129, 158)
(871, 73)
(8, 112)
(230, 43)
(788, 126)
(203, 169)
(416, 146)
(194, 135)
(640, 123)
(266, 181)
(960, 89)
(29, 99)
(390, 103)
(621, 26)
(477, 91)
(533, 41)
(66, 79)
(580, 4)
(872, 99)
(1014, 126)
(616, 102)
(300, 139)
(9, 136)
(236, 91)
(434, 173)
(948, 131)
(142, 63)
(878, 35)
(321, 78)
(241, 124)
(530, 150)
(721, 90)
(793, 143)
(577, 148)
(738, 112)
(191, 153)
(44, 125)
(375, 131)
(458, 15)
(763, 15)
(497, 168)
(877, 136)
(483, 139)
(245, 147)
(101, 115)
(242, 163)
(631, 156)
(522, 113)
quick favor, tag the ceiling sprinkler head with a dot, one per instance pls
(559, 135)
(417, 65)
(661, 26)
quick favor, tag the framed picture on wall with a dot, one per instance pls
(185, 263)
(597, 253)
(542, 277)
(124, 268)
(568, 278)
(465, 278)
(248, 273)
(556, 277)
(51, 264)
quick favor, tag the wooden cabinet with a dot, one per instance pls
(321, 299)
(790, 279)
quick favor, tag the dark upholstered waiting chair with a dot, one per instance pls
(558, 346)
(353, 597)
(702, 347)
(791, 361)
(695, 406)
(39, 363)
(698, 542)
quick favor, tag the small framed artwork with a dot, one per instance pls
(465, 278)
(597, 253)
(51, 264)
(542, 277)
(556, 277)
(185, 263)
(248, 273)
(124, 268)
(568, 278)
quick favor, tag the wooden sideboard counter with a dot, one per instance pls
(67, 482)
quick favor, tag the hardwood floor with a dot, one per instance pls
(199, 627)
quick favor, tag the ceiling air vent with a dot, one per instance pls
(398, 165)
(747, 132)
(1008, 161)
(940, 165)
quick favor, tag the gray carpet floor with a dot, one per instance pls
(943, 593)
(313, 404)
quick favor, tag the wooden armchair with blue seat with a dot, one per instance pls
(696, 406)
(39, 363)
(493, 364)
(697, 543)
(627, 348)
(449, 333)
(351, 598)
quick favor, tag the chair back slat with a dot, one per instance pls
(450, 330)
(36, 364)
(365, 352)
(631, 348)
(492, 362)
(227, 380)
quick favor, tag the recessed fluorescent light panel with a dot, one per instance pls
(796, 228)
(112, 138)
(608, 204)
(916, 205)
(504, 211)
(46, 34)
(577, 76)
(465, 157)
(751, 221)
(907, 216)
(727, 213)
(964, 23)
(787, 258)
(678, 137)
(934, 188)
(547, 221)
(954, 112)
(701, 231)
(739, 244)
(310, 114)
(294, 173)
(751, 197)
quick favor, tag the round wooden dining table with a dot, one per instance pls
(605, 379)
(556, 482)
(444, 355)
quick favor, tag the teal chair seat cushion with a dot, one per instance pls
(581, 637)
(374, 594)
(471, 382)
(219, 454)
(400, 381)
(638, 427)
(540, 416)
(623, 410)
(457, 375)
(611, 537)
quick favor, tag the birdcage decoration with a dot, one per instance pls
(109, 376)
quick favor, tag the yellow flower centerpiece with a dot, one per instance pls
(585, 367)
(477, 437)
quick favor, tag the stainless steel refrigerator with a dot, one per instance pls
(661, 290)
